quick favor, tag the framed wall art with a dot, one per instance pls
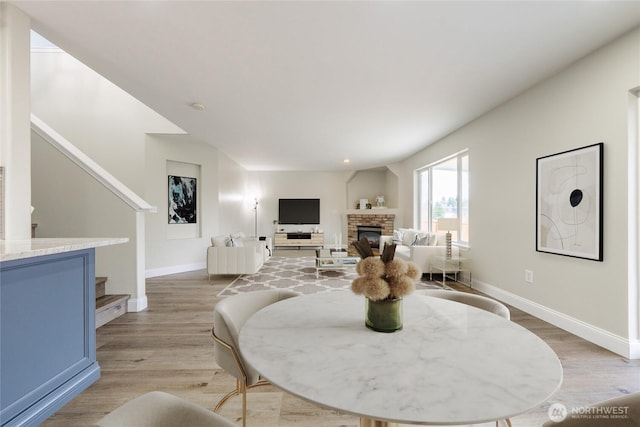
(569, 203)
(182, 200)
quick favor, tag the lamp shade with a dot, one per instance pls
(447, 224)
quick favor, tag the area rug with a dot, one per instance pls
(299, 275)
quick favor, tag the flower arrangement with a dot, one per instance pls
(383, 277)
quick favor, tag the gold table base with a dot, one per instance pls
(365, 422)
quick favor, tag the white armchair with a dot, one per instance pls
(246, 257)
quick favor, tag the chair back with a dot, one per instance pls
(478, 301)
(229, 315)
(159, 409)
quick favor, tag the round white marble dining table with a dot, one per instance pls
(450, 364)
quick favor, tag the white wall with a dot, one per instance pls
(585, 104)
(69, 203)
(329, 187)
(402, 180)
(104, 122)
(391, 190)
(235, 198)
(99, 118)
(367, 184)
(173, 248)
(15, 113)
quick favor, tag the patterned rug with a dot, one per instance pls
(299, 275)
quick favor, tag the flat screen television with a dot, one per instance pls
(299, 211)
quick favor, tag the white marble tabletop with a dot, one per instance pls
(27, 248)
(451, 364)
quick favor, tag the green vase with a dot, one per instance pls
(384, 315)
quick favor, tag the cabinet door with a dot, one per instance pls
(47, 334)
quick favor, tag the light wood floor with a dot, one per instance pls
(168, 347)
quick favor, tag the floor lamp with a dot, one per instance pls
(448, 224)
(255, 217)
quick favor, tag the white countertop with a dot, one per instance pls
(28, 248)
(451, 364)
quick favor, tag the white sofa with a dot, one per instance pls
(419, 247)
(235, 254)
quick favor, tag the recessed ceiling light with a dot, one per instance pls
(345, 161)
(198, 106)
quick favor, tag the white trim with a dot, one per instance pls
(633, 216)
(615, 343)
(43, 49)
(135, 305)
(89, 166)
(634, 350)
(163, 271)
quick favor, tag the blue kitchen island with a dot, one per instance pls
(47, 325)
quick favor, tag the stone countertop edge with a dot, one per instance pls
(19, 249)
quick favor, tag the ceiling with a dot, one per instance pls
(303, 85)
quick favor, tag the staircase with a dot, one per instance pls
(108, 307)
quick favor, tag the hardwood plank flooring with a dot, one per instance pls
(168, 347)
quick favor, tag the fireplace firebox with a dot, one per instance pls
(372, 233)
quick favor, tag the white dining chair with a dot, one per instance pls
(159, 409)
(479, 301)
(229, 315)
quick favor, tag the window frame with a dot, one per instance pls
(462, 176)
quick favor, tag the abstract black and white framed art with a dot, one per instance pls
(182, 200)
(569, 203)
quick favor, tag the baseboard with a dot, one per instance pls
(174, 269)
(43, 408)
(594, 334)
(135, 305)
(634, 350)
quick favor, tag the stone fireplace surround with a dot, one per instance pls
(367, 218)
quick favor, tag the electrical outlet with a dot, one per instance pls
(528, 276)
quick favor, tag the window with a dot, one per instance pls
(443, 192)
